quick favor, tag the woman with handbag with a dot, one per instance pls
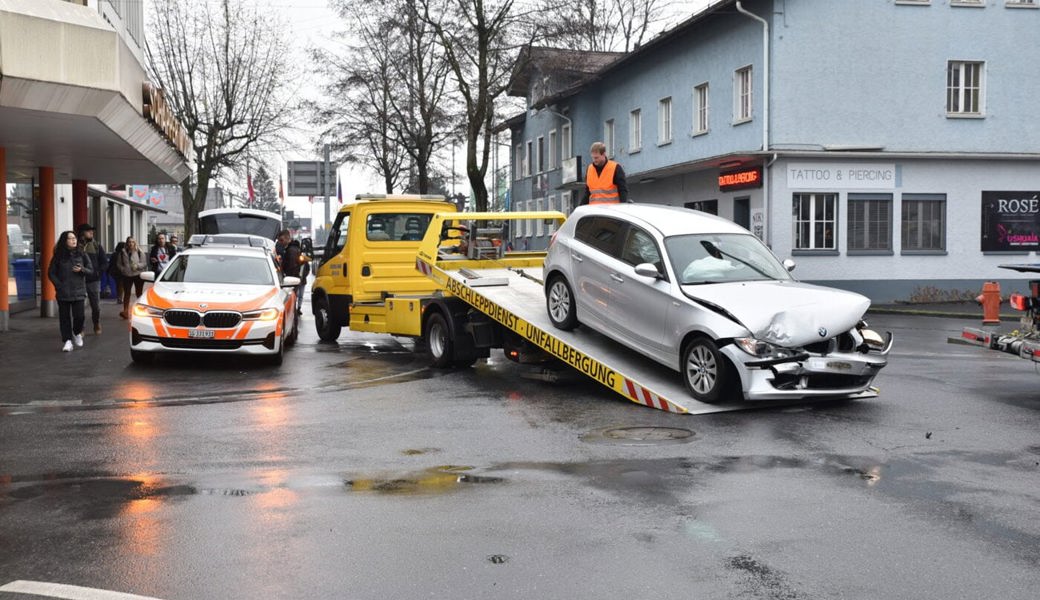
(132, 262)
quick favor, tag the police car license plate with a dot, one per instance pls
(200, 333)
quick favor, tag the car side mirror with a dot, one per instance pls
(148, 275)
(307, 246)
(648, 270)
(290, 281)
(789, 265)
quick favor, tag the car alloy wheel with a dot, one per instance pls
(705, 371)
(559, 302)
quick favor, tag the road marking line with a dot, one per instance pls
(69, 592)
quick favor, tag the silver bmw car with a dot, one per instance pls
(705, 297)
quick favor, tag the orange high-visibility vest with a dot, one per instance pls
(601, 185)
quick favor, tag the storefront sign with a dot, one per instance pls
(740, 180)
(1010, 221)
(840, 176)
(158, 112)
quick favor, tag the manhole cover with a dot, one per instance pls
(640, 435)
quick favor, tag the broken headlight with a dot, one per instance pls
(762, 349)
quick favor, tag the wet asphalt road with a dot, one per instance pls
(355, 472)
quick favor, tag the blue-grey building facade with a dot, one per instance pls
(888, 146)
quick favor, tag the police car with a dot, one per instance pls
(217, 296)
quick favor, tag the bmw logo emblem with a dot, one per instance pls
(822, 331)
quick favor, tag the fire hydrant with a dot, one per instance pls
(990, 301)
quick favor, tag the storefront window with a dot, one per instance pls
(22, 255)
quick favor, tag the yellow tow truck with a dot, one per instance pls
(369, 278)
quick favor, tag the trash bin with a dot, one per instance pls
(25, 278)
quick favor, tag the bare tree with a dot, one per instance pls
(223, 68)
(481, 39)
(601, 25)
(396, 77)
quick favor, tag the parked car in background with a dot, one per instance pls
(19, 245)
(705, 297)
(217, 298)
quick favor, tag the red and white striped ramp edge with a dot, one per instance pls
(641, 395)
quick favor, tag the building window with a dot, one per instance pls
(608, 137)
(551, 204)
(553, 160)
(565, 141)
(700, 109)
(964, 93)
(519, 162)
(924, 222)
(635, 131)
(742, 95)
(565, 203)
(1022, 4)
(814, 219)
(539, 224)
(975, 3)
(870, 222)
(539, 159)
(664, 121)
(527, 159)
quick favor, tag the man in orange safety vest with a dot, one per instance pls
(604, 179)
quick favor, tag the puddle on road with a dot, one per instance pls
(436, 480)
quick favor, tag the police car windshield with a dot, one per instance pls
(203, 268)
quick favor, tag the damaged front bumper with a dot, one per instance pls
(807, 374)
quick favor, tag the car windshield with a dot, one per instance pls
(203, 268)
(721, 257)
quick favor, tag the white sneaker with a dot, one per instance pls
(67, 347)
(78, 339)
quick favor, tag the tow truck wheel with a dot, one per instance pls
(705, 371)
(439, 341)
(327, 331)
(559, 302)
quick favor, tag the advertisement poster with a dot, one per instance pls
(1010, 221)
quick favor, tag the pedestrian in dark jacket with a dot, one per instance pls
(160, 255)
(113, 271)
(68, 271)
(99, 264)
(291, 262)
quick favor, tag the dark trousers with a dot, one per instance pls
(94, 296)
(131, 284)
(70, 319)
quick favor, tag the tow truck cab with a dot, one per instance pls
(370, 255)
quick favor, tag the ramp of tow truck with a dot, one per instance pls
(518, 303)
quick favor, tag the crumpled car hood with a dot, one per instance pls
(786, 313)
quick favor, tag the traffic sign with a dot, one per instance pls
(307, 178)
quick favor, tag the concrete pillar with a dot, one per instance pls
(5, 288)
(48, 296)
(79, 203)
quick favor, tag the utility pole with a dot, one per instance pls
(328, 219)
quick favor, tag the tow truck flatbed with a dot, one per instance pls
(514, 297)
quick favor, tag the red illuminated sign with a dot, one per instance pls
(739, 180)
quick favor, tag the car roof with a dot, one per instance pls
(221, 250)
(666, 219)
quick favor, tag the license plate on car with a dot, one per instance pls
(200, 333)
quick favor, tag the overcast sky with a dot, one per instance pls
(313, 23)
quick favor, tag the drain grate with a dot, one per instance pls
(640, 435)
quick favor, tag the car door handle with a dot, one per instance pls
(577, 257)
(617, 278)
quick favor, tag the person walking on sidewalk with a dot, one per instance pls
(68, 271)
(98, 264)
(161, 254)
(132, 262)
(113, 271)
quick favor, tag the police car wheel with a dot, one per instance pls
(559, 302)
(706, 373)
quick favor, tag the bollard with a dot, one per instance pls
(990, 301)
